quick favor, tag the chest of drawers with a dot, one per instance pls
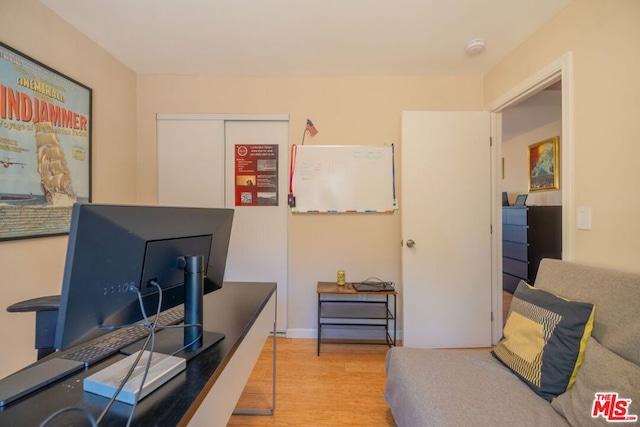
(529, 233)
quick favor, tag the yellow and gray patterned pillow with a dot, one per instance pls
(544, 339)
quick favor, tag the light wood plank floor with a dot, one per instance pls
(343, 386)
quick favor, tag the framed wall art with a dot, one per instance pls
(543, 165)
(45, 147)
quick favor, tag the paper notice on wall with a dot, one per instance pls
(256, 174)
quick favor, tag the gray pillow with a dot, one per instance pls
(602, 371)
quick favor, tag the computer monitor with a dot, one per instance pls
(114, 247)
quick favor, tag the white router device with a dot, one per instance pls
(106, 381)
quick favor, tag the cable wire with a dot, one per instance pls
(150, 337)
(152, 326)
(83, 411)
(152, 334)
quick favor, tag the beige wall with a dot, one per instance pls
(345, 111)
(603, 36)
(34, 267)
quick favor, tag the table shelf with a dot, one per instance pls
(341, 307)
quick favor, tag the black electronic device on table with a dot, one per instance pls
(370, 286)
(35, 377)
(114, 250)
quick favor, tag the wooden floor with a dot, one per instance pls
(343, 386)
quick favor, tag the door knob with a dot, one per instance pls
(410, 243)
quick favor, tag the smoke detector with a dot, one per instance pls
(476, 46)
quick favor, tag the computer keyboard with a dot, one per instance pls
(111, 343)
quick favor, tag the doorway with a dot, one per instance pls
(558, 72)
(533, 232)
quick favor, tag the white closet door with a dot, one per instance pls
(196, 167)
(258, 249)
(191, 163)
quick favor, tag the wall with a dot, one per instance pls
(516, 165)
(32, 268)
(345, 111)
(603, 36)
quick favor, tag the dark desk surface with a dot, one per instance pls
(231, 310)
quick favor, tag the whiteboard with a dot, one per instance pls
(343, 178)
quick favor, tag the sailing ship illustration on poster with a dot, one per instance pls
(55, 176)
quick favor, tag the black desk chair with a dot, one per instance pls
(46, 309)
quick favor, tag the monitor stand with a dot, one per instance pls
(193, 338)
(168, 341)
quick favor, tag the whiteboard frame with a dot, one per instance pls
(393, 205)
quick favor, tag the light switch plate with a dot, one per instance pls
(584, 218)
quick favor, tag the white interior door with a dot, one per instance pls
(196, 167)
(446, 212)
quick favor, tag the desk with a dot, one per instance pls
(205, 393)
(344, 307)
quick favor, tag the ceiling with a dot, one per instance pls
(539, 110)
(288, 38)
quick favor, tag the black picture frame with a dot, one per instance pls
(45, 147)
(521, 200)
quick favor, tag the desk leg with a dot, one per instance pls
(395, 319)
(319, 324)
(273, 384)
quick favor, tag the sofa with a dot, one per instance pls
(476, 387)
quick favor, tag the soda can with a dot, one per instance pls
(341, 278)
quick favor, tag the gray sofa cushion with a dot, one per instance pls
(471, 388)
(460, 388)
(615, 295)
(602, 371)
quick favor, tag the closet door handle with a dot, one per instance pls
(410, 243)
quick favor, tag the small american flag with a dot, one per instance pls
(311, 128)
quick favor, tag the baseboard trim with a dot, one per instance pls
(313, 333)
(302, 333)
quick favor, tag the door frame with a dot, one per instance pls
(559, 70)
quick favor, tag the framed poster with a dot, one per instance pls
(256, 174)
(45, 147)
(543, 165)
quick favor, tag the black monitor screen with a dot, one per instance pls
(114, 247)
